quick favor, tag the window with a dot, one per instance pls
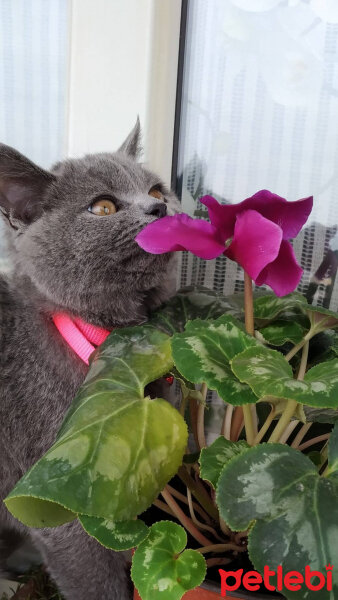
(33, 80)
(259, 110)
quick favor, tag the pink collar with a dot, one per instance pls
(80, 336)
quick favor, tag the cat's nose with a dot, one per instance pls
(156, 209)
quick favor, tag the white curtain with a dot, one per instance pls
(34, 79)
(260, 110)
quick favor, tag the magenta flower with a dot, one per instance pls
(254, 233)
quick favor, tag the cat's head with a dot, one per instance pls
(72, 231)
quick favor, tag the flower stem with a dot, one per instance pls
(248, 305)
(250, 328)
(316, 440)
(265, 427)
(193, 418)
(226, 425)
(220, 548)
(249, 425)
(184, 499)
(295, 349)
(310, 334)
(182, 517)
(288, 431)
(198, 523)
(326, 471)
(183, 405)
(199, 492)
(300, 435)
(200, 417)
(237, 424)
(283, 422)
(163, 506)
(303, 362)
(291, 405)
(225, 529)
(217, 562)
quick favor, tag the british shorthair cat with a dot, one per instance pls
(70, 234)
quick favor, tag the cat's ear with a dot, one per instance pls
(132, 144)
(22, 186)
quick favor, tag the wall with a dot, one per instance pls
(123, 63)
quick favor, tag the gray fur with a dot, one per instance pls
(65, 258)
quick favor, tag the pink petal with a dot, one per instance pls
(181, 232)
(283, 274)
(289, 216)
(222, 216)
(256, 242)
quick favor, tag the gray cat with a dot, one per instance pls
(71, 241)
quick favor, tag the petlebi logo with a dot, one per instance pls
(291, 580)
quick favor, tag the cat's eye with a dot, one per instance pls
(102, 207)
(155, 192)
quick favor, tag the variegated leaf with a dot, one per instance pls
(192, 303)
(281, 331)
(216, 456)
(161, 568)
(203, 351)
(294, 511)
(113, 455)
(269, 375)
(269, 306)
(121, 535)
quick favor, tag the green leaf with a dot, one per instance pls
(268, 307)
(188, 389)
(118, 536)
(293, 511)
(161, 571)
(192, 303)
(280, 332)
(334, 344)
(315, 457)
(203, 351)
(216, 456)
(270, 375)
(320, 415)
(113, 455)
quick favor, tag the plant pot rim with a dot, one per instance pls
(240, 595)
(209, 590)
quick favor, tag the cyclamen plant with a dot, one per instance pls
(266, 486)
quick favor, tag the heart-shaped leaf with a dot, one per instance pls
(270, 375)
(216, 456)
(203, 351)
(162, 569)
(121, 535)
(269, 306)
(280, 332)
(192, 303)
(116, 449)
(294, 510)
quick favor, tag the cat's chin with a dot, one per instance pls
(125, 301)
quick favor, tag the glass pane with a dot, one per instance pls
(260, 110)
(34, 80)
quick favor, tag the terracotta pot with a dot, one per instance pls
(197, 594)
(213, 592)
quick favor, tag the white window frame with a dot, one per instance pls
(123, 62)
